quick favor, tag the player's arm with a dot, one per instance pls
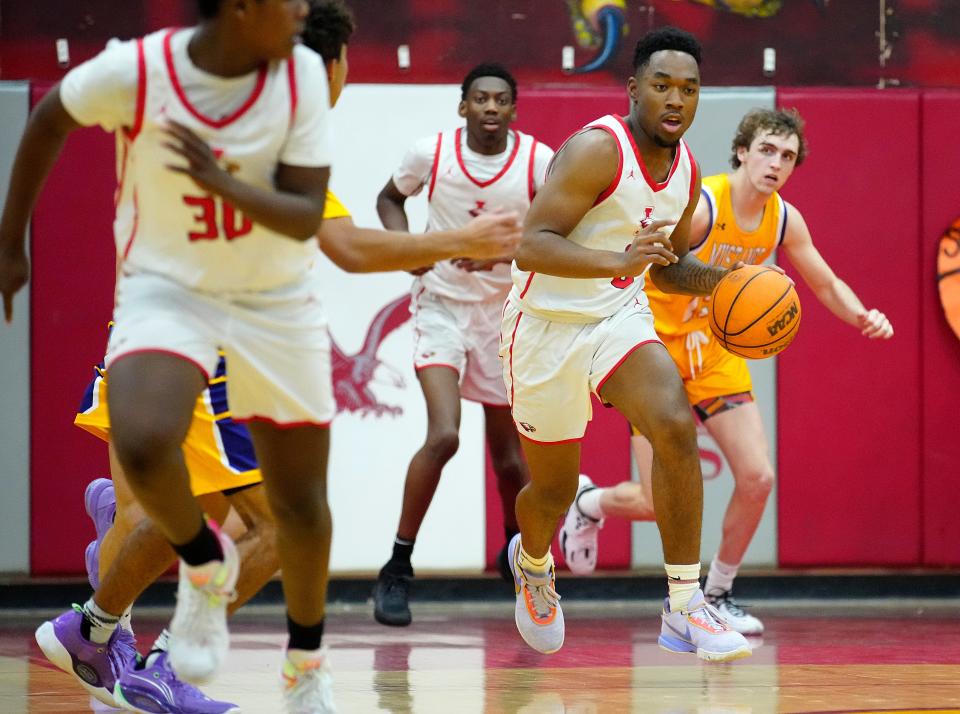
(689, 275)
(366, 250)
(583, 169)
(390, 208)
(40, 145)
(294, 208)
(830, 290)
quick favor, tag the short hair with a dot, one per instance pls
(208, 8)
(665, 38)
(488, 69)
(779, 122)
(328, 28)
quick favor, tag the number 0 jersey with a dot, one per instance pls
(632, 199)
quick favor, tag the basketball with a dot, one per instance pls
(755, 312)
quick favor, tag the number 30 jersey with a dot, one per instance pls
(165, 222)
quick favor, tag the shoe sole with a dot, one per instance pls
(160, 707)
(57, 654)
(675, 646)
(91, 502)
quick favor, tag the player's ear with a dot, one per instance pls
(742, 153)
(633, 89)
(462, 109)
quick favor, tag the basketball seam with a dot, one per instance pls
(767, 344)
(764, 313)
(726, 319)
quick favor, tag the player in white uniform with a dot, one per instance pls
(224, 159)
(619, 200)
(483, 166)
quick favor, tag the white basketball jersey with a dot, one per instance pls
(633, 198)
(165, 223)
(455, 197)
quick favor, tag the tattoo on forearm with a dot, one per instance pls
(690, 275)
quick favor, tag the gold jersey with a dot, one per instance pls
(724, 245)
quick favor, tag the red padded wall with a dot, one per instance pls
(940, 376)
(849, 409)
(71, 302)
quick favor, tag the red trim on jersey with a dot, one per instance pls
(136, 222)
(574, 440)
(417, 368)
(621, 361)
(134, 130)
(527, 286)
(506, 166)
(436, 164)
(215, 123)
(531, 183)
(292, 80)
(158, 351)
(279, 424)
(513, 340)
(616, 179)
(125, 149)
(643, 167)
(693, 170)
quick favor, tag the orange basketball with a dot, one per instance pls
(755, 312)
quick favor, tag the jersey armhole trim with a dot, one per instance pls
(713, 216)
(608, 191)
(531, 183)
(693, 170)
(436, 164)
(134, 130)
(783, 221)
(292, 80)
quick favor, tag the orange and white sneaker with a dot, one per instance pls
(701, 629)
(538, 614)
(199, 639)
(308, 686)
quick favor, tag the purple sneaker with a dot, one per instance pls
(156, 689)
(95, 666)
(101, 504)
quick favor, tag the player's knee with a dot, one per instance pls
(757, 484)
(142, 447)
(442, 445)
(510, 469)
(302, 512)
(674, 432)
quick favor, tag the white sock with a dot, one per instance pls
(163, 641)
(589, 503)
(720, 576)
(535, 565)
(102, 623)
(125, 620)
(682, 592)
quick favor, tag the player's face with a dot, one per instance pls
(770, 160)
(489, 109)
(337, 75)
(664, 96)
(274, 27)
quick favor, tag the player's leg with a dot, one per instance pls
(740, 435)
(257, 545)
(441, 391)
(510, 468)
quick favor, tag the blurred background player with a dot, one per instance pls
(577, 322)
(481, 167)
(740, 217)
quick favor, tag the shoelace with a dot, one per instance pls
(733, 607)
(305, 686)
(541, 591)
(712, 613)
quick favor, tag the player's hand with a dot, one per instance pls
(14, 271)
(776, 268)
(491, 235)
(472, 265)
(420, 271)
(875, 325)
(651, 246)
(201, 163)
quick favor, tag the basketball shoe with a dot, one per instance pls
(391, 596)
(198, 632)
(155, 688)
(308, 686)
(733, 612)
(101, 504)
(538, 615)
(95, 666)
(578, 535)
(702, 630)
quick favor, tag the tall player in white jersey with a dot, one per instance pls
(223, 157)
(619, 200)
(480, 167)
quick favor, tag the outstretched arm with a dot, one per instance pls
(42, 140)
(582, 170)
(830, 290)
(367, 250)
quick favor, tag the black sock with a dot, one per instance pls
(509, 532)
(304, 637)
(402, 551)
(204, 547)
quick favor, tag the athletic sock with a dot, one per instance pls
(588, 503)
(125, 620)
(682, 592)
(304, 637)
(162, 643)
(97, 625)
(402, 552)
(720, 576)
(535, 565)
(202, 548)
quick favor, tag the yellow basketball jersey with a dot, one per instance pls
(725, 244)
(333, 208)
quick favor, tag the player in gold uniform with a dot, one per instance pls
(740, 218)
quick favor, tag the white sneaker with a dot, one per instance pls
(538, 615)
(198, 632)
(308, 687)
(701, 629)
(738, 619)
(578, 535)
